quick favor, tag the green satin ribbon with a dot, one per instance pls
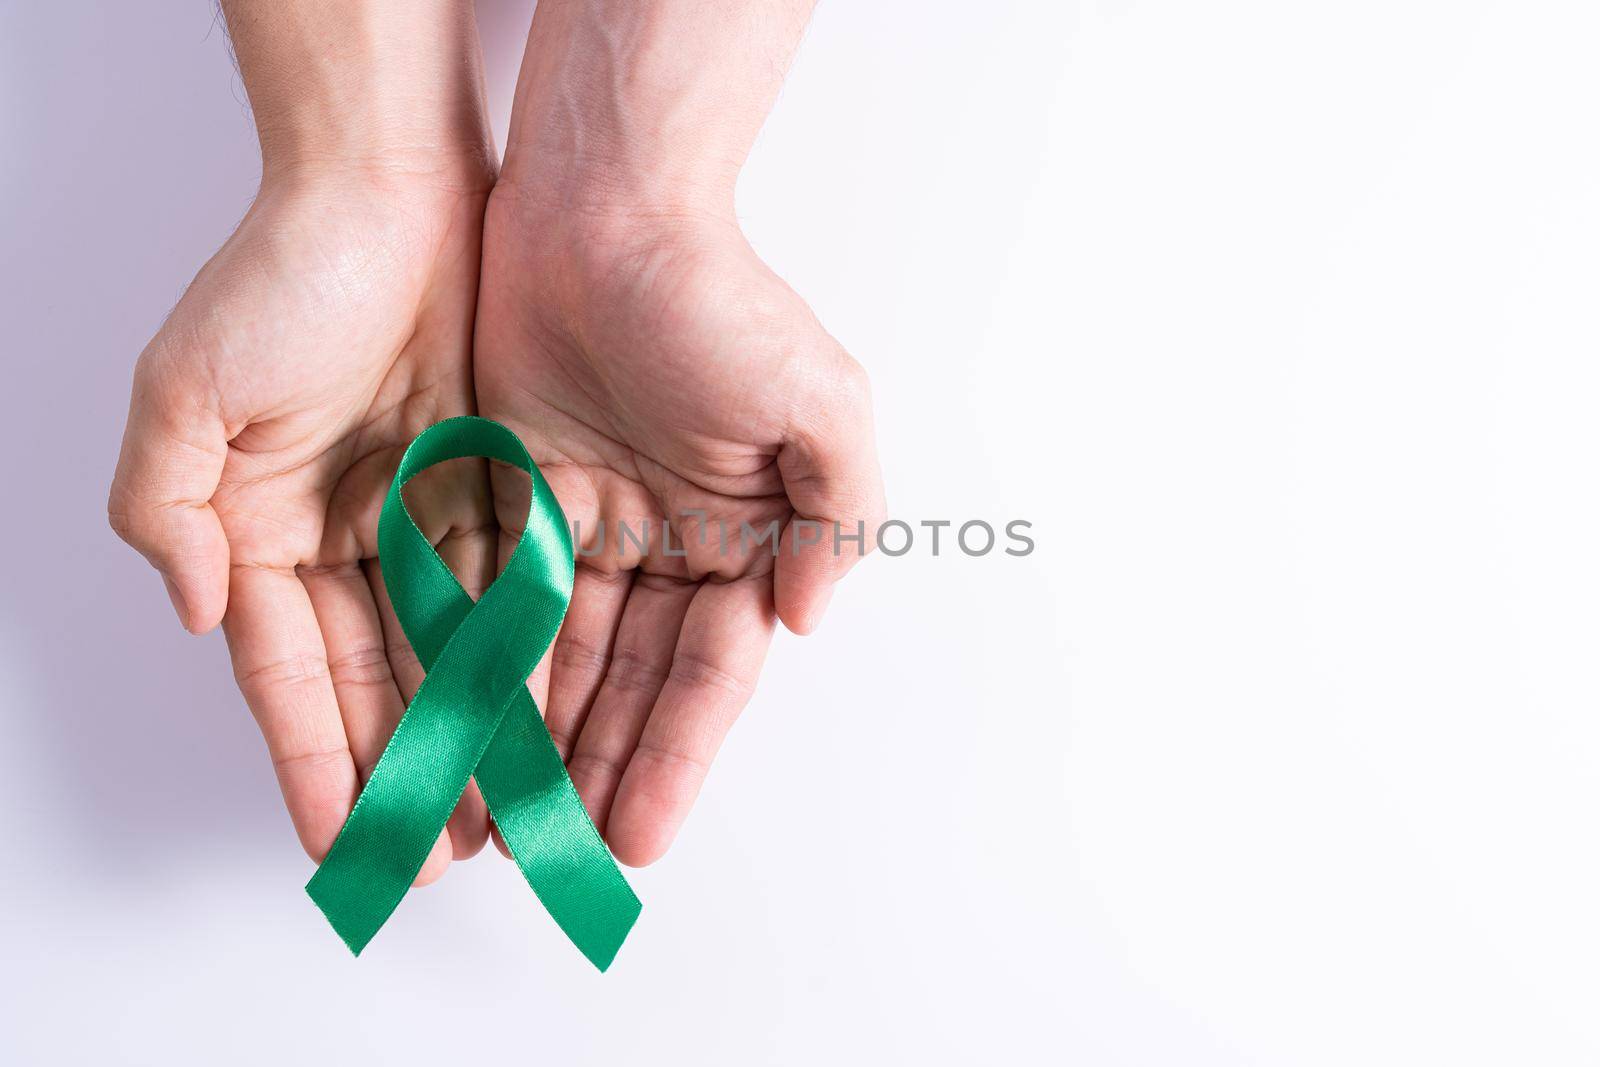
(473, 716)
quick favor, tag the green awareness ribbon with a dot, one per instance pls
(473, 716)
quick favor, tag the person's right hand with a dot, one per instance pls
(270, 411)
(268, 417)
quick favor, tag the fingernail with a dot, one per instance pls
(178, 603)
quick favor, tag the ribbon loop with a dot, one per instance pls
(473, 715)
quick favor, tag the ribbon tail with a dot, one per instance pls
(549, 834)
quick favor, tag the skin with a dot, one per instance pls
(655, 366)
(596, 296)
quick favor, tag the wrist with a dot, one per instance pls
(573, 268)
(357, 87)
(645, 107)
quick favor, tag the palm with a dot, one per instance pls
(658, 374)
(351, 336)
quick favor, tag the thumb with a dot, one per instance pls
(172, 456)
(829, 465)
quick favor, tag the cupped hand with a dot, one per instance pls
(268, 416)
(659, 371)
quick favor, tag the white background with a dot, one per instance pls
(1279, 322)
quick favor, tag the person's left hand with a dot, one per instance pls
(658, 371)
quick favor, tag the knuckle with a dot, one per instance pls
(634, 672)
(280, 673)
(398, 651)
(581, 657)
(675, 762)
(594, 766)
(700, 673)
(311, 761)
(363, 665)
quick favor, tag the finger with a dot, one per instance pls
(582, 652)
(724, 640)
(282, 669)
(173, 452)
(830, 472)
(363, 683)
(640, 657)
(467, 827)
